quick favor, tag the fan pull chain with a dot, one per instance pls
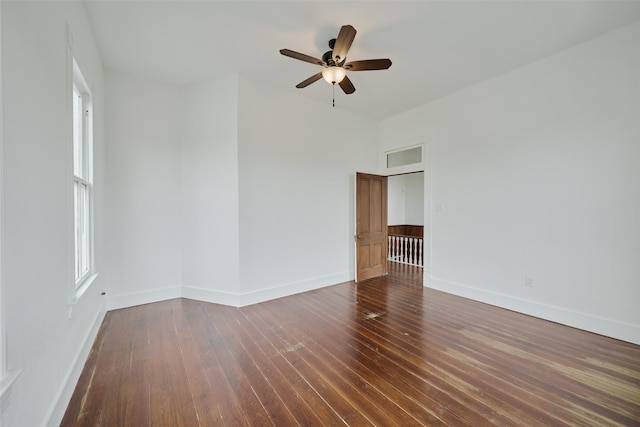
(334, 94)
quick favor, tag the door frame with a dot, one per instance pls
(426, 167)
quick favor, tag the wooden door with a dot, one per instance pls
(371, 226)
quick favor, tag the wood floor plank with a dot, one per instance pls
(170, 398)
(449, 363)
(306, 383)
(361, 393)
(75, 413)
(233, 371)
(338, 351)
(318, 376)
(133, 406)
(115, 365)
(235, 337)
(548, 405)
(420, 374)
(384, 352)
(207, 410)
(221, 393)
(283, 379)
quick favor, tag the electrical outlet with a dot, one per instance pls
(528, 281)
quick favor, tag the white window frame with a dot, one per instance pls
(397, 170)
(82, 149)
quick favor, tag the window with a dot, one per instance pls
(82, 178)
(404, 157)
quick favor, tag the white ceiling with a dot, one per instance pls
(437, 48)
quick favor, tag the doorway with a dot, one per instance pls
(389, 223)
(406, 219)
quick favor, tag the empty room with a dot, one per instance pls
(281, 213)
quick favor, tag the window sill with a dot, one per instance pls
(8, 380)
(82, 289)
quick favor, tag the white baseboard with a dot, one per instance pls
(599, 325)
(225, 298)
(208, 295)
(54, 417)
(115, 302)
(262, 295)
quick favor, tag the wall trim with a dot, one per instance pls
(226, 298)
(262, 295)
(115, 302)
(587, 322)
(212, 296)
(63, 396)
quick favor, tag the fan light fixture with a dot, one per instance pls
(334, 74)
(334, 63)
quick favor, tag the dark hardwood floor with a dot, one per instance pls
(385, 352)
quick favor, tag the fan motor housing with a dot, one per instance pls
(328, 55)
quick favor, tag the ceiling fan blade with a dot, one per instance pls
(310, 80)
(302, 57)
(343, 43)
(347, 86)
(368, 64)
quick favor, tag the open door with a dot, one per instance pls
(371, 226)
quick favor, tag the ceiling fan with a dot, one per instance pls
(334, 62)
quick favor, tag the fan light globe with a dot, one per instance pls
(334, 74)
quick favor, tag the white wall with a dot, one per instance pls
(209, 191)
(405, 199)
(143, 194)
(414, 198)
(213, 186)
(297, 159)
(396, 214)
(538, 174)
(47, 338)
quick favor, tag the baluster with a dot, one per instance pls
(420, 252)
(407, 248)
(393, 247)
(411, 251)
(404, 249)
